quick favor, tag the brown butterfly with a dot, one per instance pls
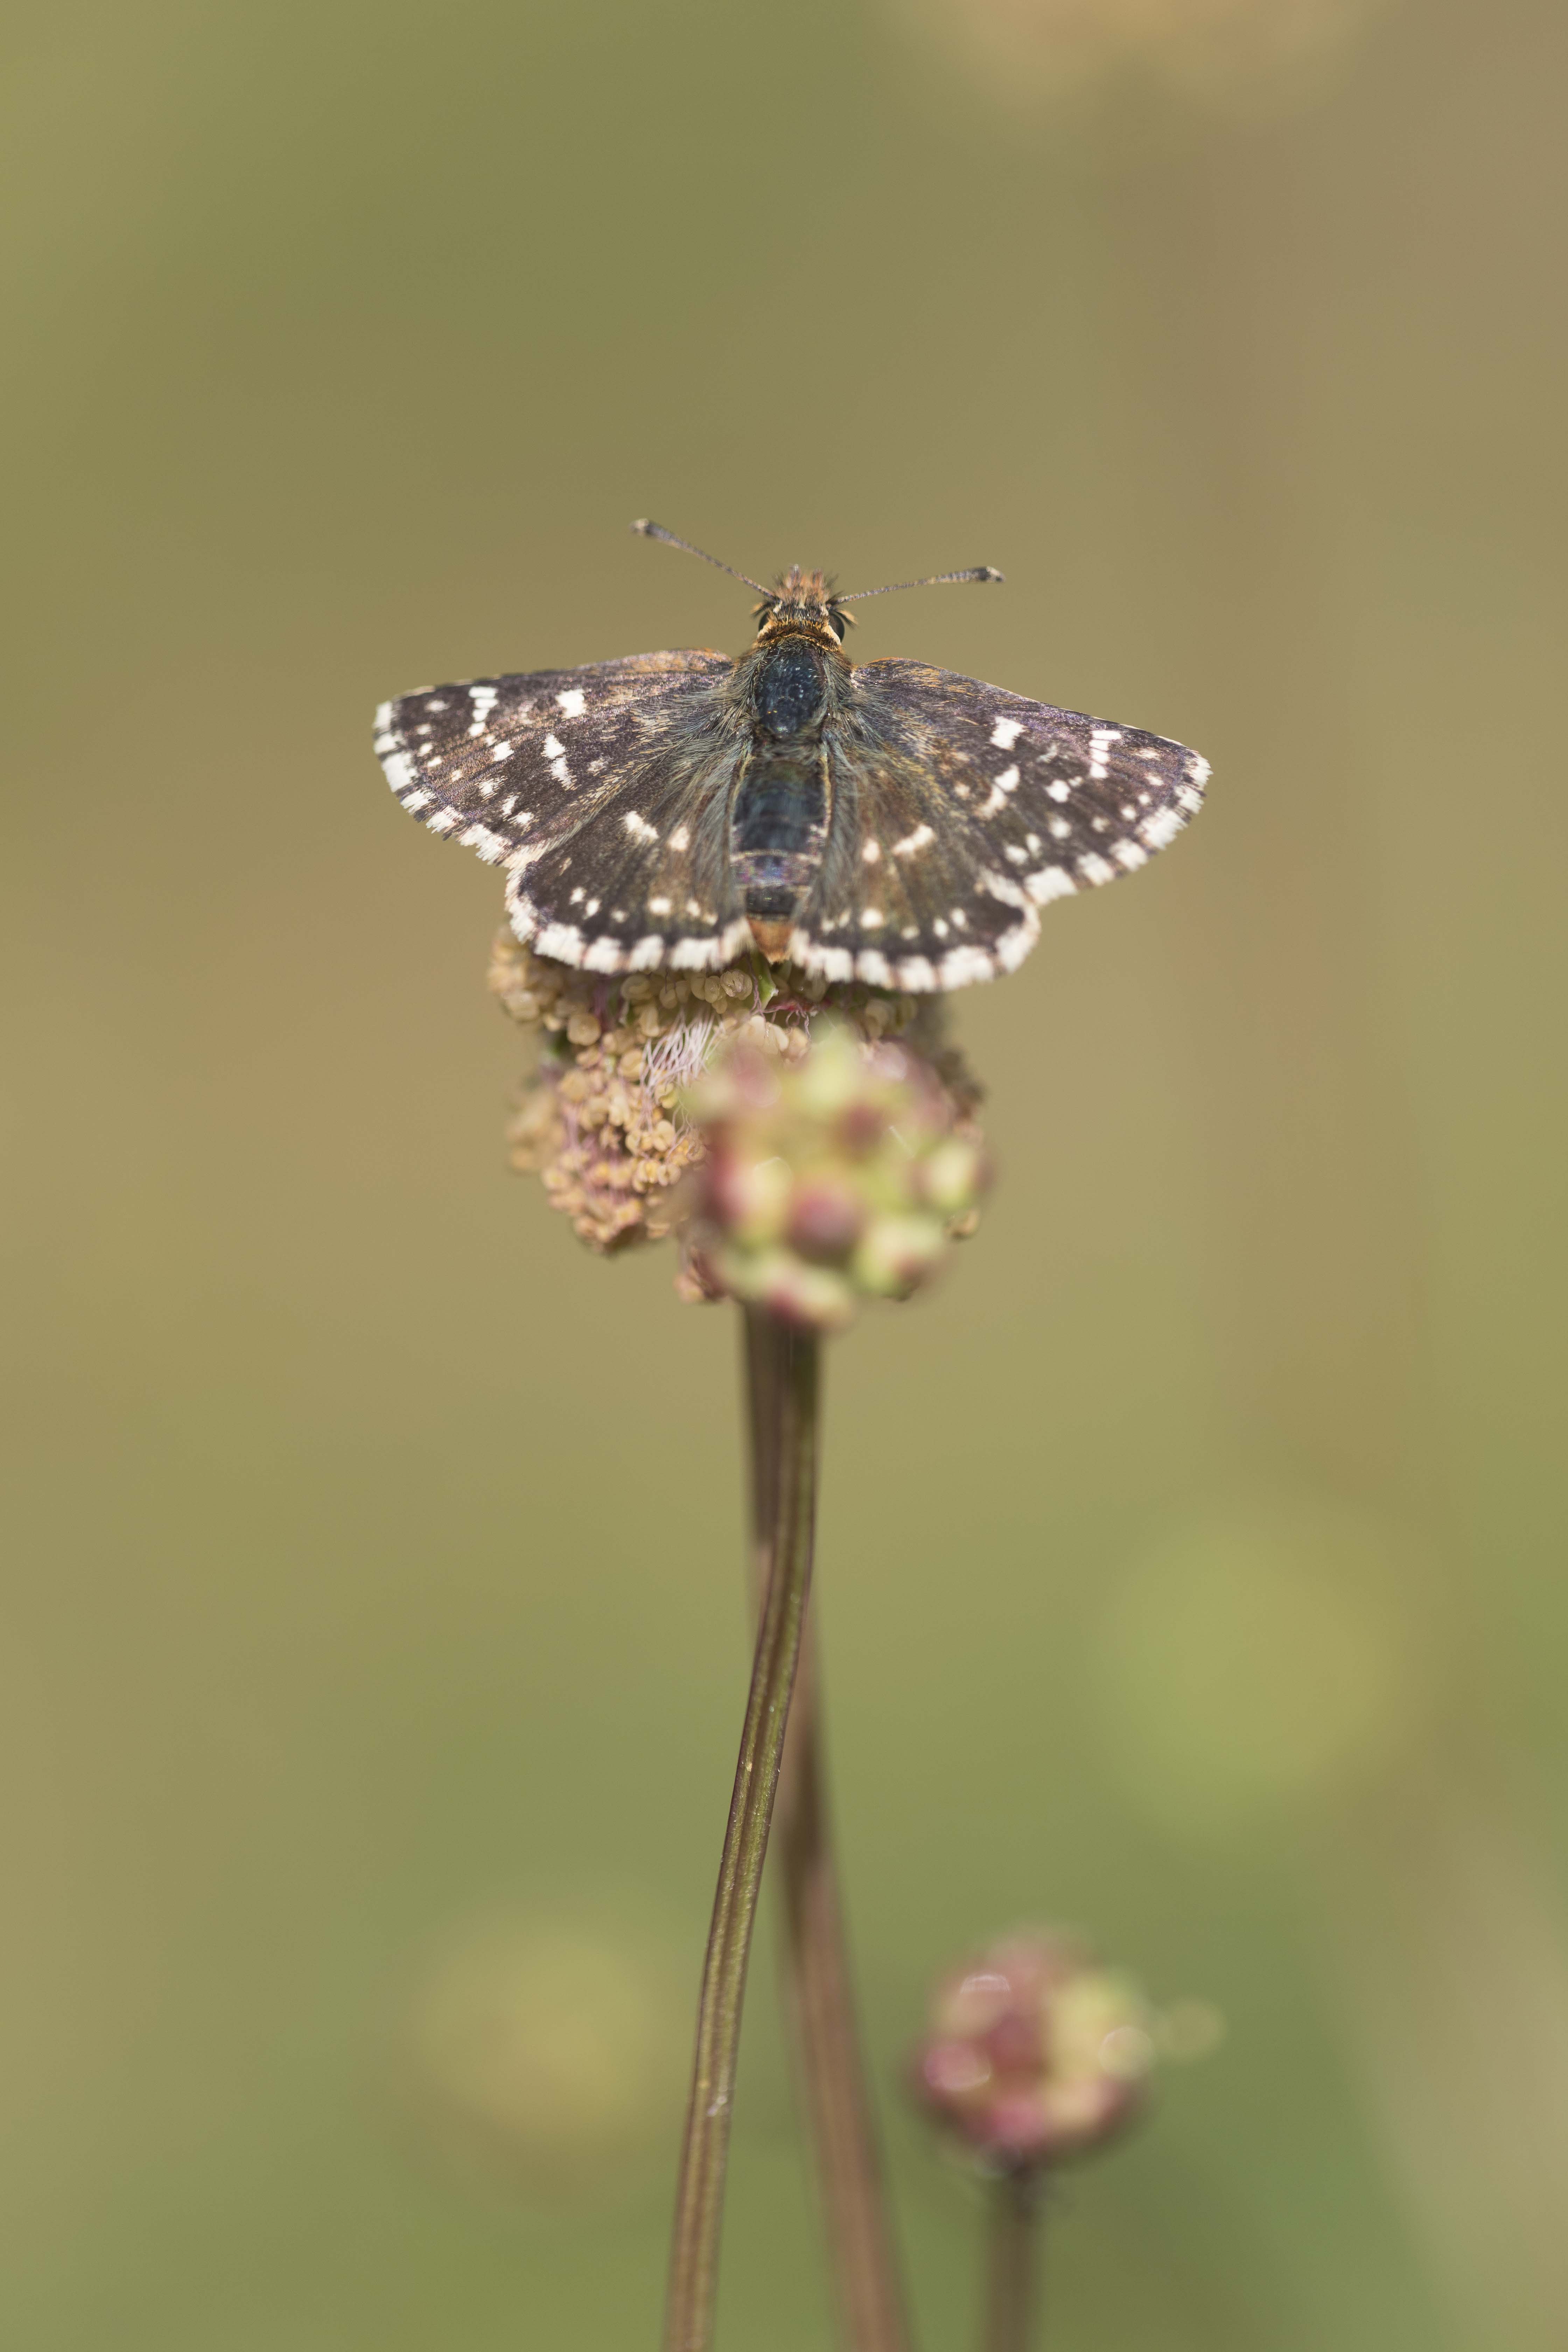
(881, 821)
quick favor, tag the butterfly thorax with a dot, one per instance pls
(789, 689)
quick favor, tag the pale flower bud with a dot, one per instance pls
(1035, 2052)
(855, 1146)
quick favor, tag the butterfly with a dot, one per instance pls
(881, 821)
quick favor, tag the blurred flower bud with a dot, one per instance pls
(897, 1254)
(856, 1144)
(826, 1214)
(547, 2052)
(1025, 52)
(1035, 2052)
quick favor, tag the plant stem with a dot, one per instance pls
(1012, 2263)
(817, 1977)
(699, 2198)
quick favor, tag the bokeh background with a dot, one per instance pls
(373, 1631)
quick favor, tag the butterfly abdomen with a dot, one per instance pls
(778, 818)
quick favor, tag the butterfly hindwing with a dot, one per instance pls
(958, 809)
(646, 882)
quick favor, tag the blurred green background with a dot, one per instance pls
(371, 1643)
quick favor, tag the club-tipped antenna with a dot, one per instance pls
(657, 530)
(937, 580)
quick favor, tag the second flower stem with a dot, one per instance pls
(1012, 2264)
(694, 2258)
(816, 1967)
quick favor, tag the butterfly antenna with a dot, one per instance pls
(937, 580)
(657, 530)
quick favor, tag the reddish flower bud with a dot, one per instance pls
(1035, 2052)
(826, 1216)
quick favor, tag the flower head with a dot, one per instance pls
(811, 1144)
(833, 1174)
(1034, 2052)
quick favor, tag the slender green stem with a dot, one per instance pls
(871, 2305)
(1012, 2264)
(699, 2198)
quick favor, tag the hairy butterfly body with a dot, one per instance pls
(882, 821)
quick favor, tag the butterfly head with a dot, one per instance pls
(806, 604)
(802, 604)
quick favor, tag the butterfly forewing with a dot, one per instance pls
(601, 790)
(959, 810)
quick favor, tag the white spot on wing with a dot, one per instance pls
(561, 941)
(833, 963)
(1100, 739)
(639, 828)
(1014, 945)
(921, 835)
(490, 845)
(1005, 733)
(574, 702)
(1005, 783)
(961, 966)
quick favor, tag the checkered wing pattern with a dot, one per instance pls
(603, 793)
(959, 811)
